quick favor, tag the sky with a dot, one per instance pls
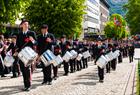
(116, 6)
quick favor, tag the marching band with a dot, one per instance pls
(26, 51)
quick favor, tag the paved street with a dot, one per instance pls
(84, 82)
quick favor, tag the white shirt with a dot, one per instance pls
(25, 32)
(44, 35)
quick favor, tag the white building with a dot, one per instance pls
(104, 13)
(92, 17)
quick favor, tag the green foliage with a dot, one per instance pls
(133, 16)
(9, 11)
(62, 16)
(112, 30)
(2, 29)
(109, 29)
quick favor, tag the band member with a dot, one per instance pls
(95, 52)
(120, 57)
(15, 67)
(79, 51)
(72, 62)
(123, 49)
(57, 51)
(131, 52)
(108, 65)
(85, 60)
(25, 38)
(114, 61)
(7, 42)
(45, 41)
(126, 50)
(65, 46)
(100, 70)
(93, 49)
(2, 67)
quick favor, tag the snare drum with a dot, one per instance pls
(58, 60)
(115, 55)
(117, 52)
(74, 54)
(102, 61)
(67, 56)
(107, 57)
(47, 57)
(86, 54)
(79, 57)
(110, 56)
(27, 55)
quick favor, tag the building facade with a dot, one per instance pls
(91, 21)
(104, 14)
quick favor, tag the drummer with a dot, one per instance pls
(65, 46)
(2, 67)
(108, 65)
(15, 67)
(73, 60)
(101, 51)
(77, 49)
(114, 61)
(57, 51)
(25, 38)
(45, 41)
(120, 57)
(85, 60)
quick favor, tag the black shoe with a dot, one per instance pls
(65, 74)
(13, 76)
(3, 76)
(101, 81)
(49, 83)
(108, 72)
(71, 72)
(55, 77)
(26, 89)
(44, 82)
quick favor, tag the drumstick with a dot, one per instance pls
(22, 46)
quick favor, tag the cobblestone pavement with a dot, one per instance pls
(84, 82)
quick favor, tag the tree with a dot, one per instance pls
(9, 11)
(133, 16)
(116, 27)
(62, 16)
(109, 29)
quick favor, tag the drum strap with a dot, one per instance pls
(22, 46)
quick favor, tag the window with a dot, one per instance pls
(91, 19)
(94, 12)
(94, 2)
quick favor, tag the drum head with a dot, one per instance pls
(8, 61)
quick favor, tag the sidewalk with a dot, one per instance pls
(84, 82)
